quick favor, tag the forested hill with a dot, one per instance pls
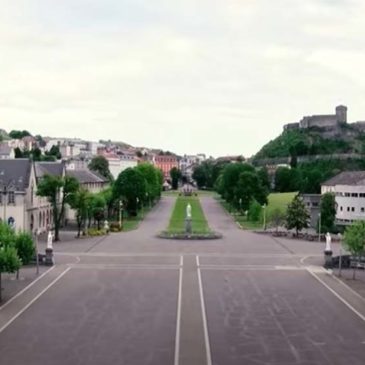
(314, 141)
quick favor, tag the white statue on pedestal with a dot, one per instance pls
(49, 240)
(188, 211)
(328, 243)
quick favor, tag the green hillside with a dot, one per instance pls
(309, 142)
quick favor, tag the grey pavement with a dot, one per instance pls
(131, 298)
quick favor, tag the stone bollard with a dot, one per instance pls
(49, 257)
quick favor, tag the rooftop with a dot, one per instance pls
(347, 178)
(15, 173)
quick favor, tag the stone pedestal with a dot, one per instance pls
(188, 226)
(328, 259)
(49, 261)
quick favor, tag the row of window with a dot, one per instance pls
(352, 209)
(352, 195)
(11, 198)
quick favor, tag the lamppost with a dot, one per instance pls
(240, 201)
(319, 227)
(264, 207)
(36, 232)
(121, 214)
(4, 193)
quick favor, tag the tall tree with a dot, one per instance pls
(230, 176)
(98, 208)
(128, 187)
(297, 215)
(249, 188)
(354, 240)
(176, 175)
(59, 191)
(264, 177)
(100, 165)
(153, 186)
(328, 212)
(79, 202)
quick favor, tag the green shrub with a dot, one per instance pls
(25, 247)
(254, 211)
(115, 227)
(92, 232)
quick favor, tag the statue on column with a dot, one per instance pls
(50, 240)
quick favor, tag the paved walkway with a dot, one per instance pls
(132, 298)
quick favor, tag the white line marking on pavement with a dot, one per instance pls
(34, 299)
(205, 325)
(252, 267)
(26, 288)
(337, 295)
(178, 315)
(349, 288)
(124, 266)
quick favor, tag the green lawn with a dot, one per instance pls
(279, 201)
(275, 201)
(177, 220)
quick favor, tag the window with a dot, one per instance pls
(362, 210)
(348, 209)
(354, 195)
(341, 209)
(352, 209)
(315, 204)
(362, 195)
(347, 194)
(11, 197)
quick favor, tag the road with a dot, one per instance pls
(134, 299)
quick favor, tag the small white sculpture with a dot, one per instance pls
(328, 243)
(49, 240)
(188, 211)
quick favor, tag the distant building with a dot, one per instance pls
(321, 121)
(349, 190)
(312, 203)
(90, 181)
(119, 163)
(165, 163)
(6, 151)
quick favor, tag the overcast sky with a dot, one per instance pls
(213, 76)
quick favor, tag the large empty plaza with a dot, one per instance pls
(132, 298)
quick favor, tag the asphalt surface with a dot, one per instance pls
(134, 299)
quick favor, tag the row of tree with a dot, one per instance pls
(240, 184)
(134, 188)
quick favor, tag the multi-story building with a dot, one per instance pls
(165, 163)
(349, 190)
(20, 206)
(118, 163)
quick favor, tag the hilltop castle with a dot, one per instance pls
(329, 121)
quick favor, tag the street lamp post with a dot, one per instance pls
(4, 193)
(319, 227)
(36, 249)
(121, 214)
(264, 207)
(240, 201)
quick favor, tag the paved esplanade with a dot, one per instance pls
(133, 299)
